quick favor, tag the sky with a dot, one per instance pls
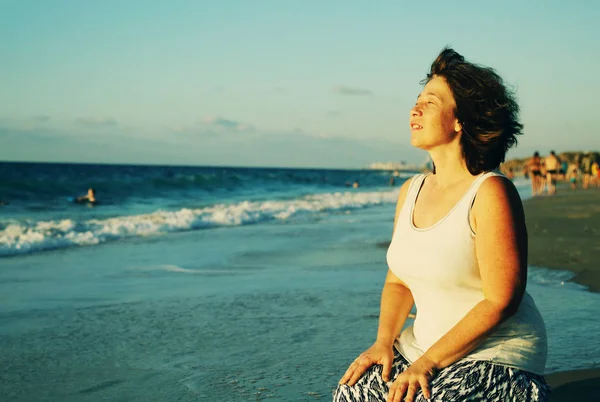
(298, 83)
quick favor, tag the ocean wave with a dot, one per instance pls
(27, 236)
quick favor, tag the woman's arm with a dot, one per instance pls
(501, 249)
(396, 303)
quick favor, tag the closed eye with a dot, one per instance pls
(425, 103)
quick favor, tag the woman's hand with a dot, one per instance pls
(380, 353)
(418, 375)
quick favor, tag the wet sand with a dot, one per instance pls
(564, 233)
(578, 385)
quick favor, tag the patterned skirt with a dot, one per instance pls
(464, 380)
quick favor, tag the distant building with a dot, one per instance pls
(393, 166)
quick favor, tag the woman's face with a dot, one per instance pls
(432, 119)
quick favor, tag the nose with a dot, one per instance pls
(415, 111)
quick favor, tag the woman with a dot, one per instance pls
(459, 252)
(552, 166)
(534, 168)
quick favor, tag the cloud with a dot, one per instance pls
(41, 118)
(343, 90)
(35, 135)
(222, 123)
(96, 122)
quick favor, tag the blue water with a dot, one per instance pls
(261, 294)
(136, 201)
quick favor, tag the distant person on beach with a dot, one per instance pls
(564, 167)
(585, 165)
(355, 184)
(508, 172)
(89, 197)
(572, 175)
(595, 177)
(459, 253)
(534, 170)
(552, 169)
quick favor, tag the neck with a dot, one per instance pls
(450, 168)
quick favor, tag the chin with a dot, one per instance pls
(417, 142)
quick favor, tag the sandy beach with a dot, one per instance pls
(564, 233)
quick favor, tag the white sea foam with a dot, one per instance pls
(21, 237)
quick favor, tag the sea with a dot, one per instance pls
(186, 283)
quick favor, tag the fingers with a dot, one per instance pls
(360, 369)
(387, 369)
(355, 371)
(406, 390)
(425, 387)
(397, 391)
(410, 393)
(348, 373)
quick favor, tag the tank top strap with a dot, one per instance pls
(472, 192)
(411, 195)
(413, 189)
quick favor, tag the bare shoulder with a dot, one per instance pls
(497, 199)
(498, 189)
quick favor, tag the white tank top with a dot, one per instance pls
(440, 267)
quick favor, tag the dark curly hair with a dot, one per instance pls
(485, 108)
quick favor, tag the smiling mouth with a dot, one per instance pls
(414, 126)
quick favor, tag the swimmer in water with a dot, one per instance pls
(89, 197)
